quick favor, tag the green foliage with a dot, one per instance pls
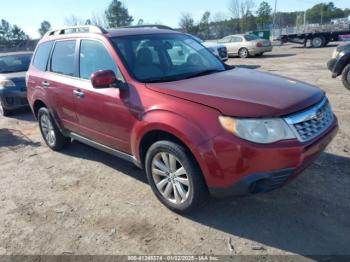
(118, 15)
(45, 26)
(323, 13)
(204, 28)
(11, 33)
(264, 14)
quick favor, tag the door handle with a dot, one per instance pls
(78, 93)
(45, 84)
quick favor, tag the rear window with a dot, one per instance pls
(14, 63)
(42, 55)
(63, 56)
(251, 37)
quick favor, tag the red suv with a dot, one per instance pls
(161, 100)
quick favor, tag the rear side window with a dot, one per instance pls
(94, 57)
(63, 57)
(42, 55)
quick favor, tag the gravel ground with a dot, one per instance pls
(83, 201)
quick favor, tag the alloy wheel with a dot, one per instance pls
(170, 178)
(48, 130)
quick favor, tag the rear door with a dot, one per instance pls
(60, 82)
(103, 114)
(236, 44)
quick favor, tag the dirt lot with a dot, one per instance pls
(82, 201)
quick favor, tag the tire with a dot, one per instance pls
(50, 132)
(346, 77)
(243, 53)
(3, 111)
(188, 185)
(318, 41)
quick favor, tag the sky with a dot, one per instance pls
(29, 14)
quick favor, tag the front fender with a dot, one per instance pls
(191, 132)
(340, 64)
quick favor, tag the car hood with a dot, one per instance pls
(18, 78)
(245, 93)
(212, 44)
(13, 75)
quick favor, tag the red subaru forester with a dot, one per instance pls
(161, 100)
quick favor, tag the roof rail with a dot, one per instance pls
(77, 29)
(148, 26)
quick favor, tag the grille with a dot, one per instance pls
(313, 122)
(223, 52)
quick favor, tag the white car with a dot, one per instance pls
(246, 45)
(219, 50)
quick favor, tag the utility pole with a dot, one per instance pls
(305, 20)
(274, 16)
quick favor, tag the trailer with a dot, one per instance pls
(318, 36)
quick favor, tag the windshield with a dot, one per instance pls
(165, 57)
(14, 63)
(251, 37)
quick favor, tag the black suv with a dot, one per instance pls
(340, 64)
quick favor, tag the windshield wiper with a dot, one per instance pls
(203, 73)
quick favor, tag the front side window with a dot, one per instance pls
(226, 39)
(236, 39)
(42, 55)
(94, 57)
(14, 63)
(165, 57)
(63, 56)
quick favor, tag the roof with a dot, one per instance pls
(16, 53)
(138, 31)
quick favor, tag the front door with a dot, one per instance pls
(103, 115)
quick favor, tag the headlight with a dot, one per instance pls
(262, 131)
(335, 54)
(6, 83)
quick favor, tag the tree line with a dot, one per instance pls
(239, 17)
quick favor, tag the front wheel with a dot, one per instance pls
(346, 77)
(50, 132)
(174, 177)
(3, 111)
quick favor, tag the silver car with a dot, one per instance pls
(246, 45)
(219, 50)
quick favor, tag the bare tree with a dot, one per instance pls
(99, 20)
(234, 8)
(74, 20)
(187, 23)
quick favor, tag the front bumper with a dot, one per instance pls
(240, 168)
(13, 98)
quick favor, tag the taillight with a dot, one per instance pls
(259, 44)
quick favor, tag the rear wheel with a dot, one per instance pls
(174, 177)
(50, 132)
(318, 41)
(243, 53)
(346, 77)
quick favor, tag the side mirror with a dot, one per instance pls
(103, 79)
